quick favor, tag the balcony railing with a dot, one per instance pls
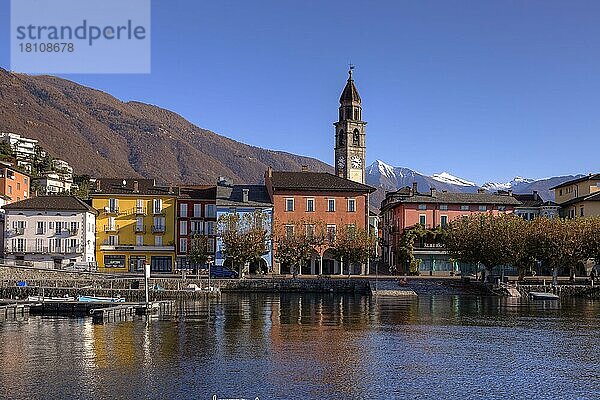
(111, 228)
(111, 210)
(19, 231)
(158, 229)
(139, 228)
(139, 210)
(35, 249)
(158, 211)
(73, 232)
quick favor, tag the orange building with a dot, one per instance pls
(318, 196)
(14, 184)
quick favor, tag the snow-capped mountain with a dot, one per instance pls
(451, 179)
(388, 178)
(516, 184)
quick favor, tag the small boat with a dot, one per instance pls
(543, 296)
(42, 299)
(98, 299)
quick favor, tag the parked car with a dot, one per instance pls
(219, 271)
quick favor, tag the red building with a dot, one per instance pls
(407, 207)
(318, 196)
(196, 215)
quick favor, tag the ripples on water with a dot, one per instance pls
(313, 346)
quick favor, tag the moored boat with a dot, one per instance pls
(543, 296)
(43, 299)
(98, 299)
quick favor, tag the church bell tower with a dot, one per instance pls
(350, 129)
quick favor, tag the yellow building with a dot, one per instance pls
(135, 225)
(579, 197)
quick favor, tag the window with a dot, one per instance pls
(482, 208)
(183, 245)
(210, 211)
(330, 233)
(210, 245)
(210, 227)
(59, 225)
(464, 207)
(73, 246)
(158, 206)
(331, 205)
(139, 224)
(19, 245)
(18, 186)
(444, 207)
(581, 213)
(9, 189)
(139, 240)
(422, 206)
(159, 223)
(501, 208)
(113, 205)
(310, 205)
(183, 210)
(183, 225)
(112, 224)
(310, 231)
(139, 206)
(74, 227)
(289, 231)
(422, 219)
(196, 228)
(289, 204)
(161, 264)
(39, 245)
(356, 138)
(560, 192)
(51, 225)
(25, 194)
(351, 205)
(113, 240)
(197, 210)
(158, 241)
(444, 221)
(41, 228)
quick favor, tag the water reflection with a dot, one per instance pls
(313, 346)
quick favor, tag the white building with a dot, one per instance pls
(51, 231)
(53, 183)
(23, 147)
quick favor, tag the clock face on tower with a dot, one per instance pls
(356, 162)
(341, 162)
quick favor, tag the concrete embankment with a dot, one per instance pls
(61, 283)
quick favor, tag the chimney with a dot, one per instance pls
(270, 172)
(536, 196)
(97, 185)
(136, 186)
(245, 195)
(481, 190)
(433, 191)
(510, 192)
(414, 189)
(305, 168)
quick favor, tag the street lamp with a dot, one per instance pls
(208, 262)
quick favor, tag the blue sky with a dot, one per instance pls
(485, 90)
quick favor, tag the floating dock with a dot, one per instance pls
(14, 312)
(101, 312)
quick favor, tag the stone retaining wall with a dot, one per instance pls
(585, 291)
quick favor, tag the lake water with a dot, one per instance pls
(313, 346)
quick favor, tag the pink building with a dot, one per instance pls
(407, 207)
